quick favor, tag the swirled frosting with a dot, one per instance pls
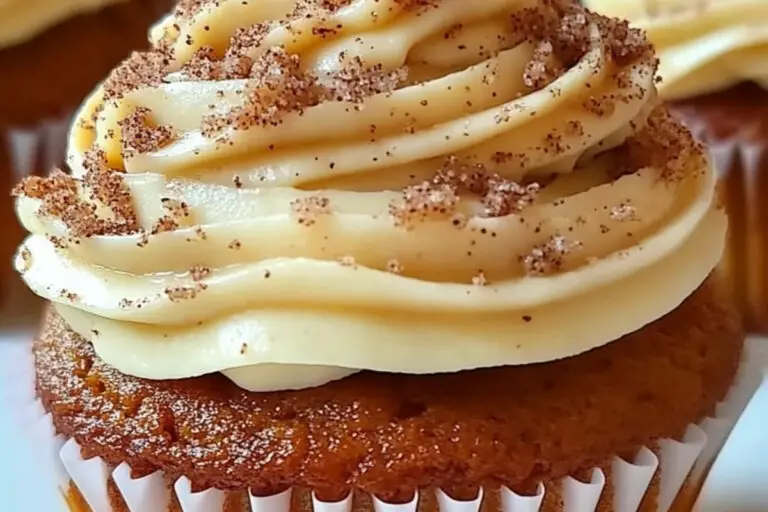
(21, 20)
(704, 46)
(290, 193)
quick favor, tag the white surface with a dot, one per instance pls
(19, 487)
(738, 481)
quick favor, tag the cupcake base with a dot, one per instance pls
(518, 429)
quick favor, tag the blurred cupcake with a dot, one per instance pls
(714, 62)
(302, 266)
(52, 53)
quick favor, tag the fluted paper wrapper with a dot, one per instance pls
(656, 479)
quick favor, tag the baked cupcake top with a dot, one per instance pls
(704, 45)
(291, 192)
(21, 20)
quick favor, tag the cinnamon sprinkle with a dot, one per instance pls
(140, 136)
(549, 257)
(307, 209)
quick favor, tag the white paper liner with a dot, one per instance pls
(39, 148)
(680, 462)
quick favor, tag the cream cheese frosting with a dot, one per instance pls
(21, 20)
(704, 46)
(502, 204)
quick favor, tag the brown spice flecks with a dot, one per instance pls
(248, 38)
(623, 43)
(200, 233)
(355, 82)
(624, 211)
(140, 136)
(62, 197)
(395, 266)
(500, 196)
(70, 296)
(164, 224)
(110, 189)
(243, 348)
(200, 272)
(26, 257)
(547, 258)
(479, 279)
(235, 245)
(600, 106)
(141, 69)
(176, 208)
(663, 144)
(348, 261)
(419, 202)
(543, 68)
(186, 9)
(181, 293)
(279, 87)
(205, 65)
(307, 209)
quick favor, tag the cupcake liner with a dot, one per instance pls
(38, 148)
(661, 473)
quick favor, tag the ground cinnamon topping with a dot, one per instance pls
(63, 197)
(140, 136)
(205, 65)
(307, 209)
(500, 196)
(419, 202)
(395, 266)
(548, 257)
(139, 70)
(248, 38)
(186, 9)
(279, 87)
(182, 293)
(355, 81)
(200, 272)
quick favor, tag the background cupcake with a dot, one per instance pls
(714, 64)
(299, 265)
(52, 53)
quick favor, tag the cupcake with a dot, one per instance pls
(52, 53)
(714, 64)
(382, 255)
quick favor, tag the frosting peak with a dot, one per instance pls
(704, 46)
(407, 186)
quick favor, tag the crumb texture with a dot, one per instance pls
(389, 434)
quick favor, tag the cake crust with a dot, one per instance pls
(389, 434)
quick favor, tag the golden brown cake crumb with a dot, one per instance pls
(485, 424)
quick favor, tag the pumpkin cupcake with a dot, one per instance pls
(362, 254)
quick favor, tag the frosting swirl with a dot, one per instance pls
(21, 20)
(281, 201)
(704, 46)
